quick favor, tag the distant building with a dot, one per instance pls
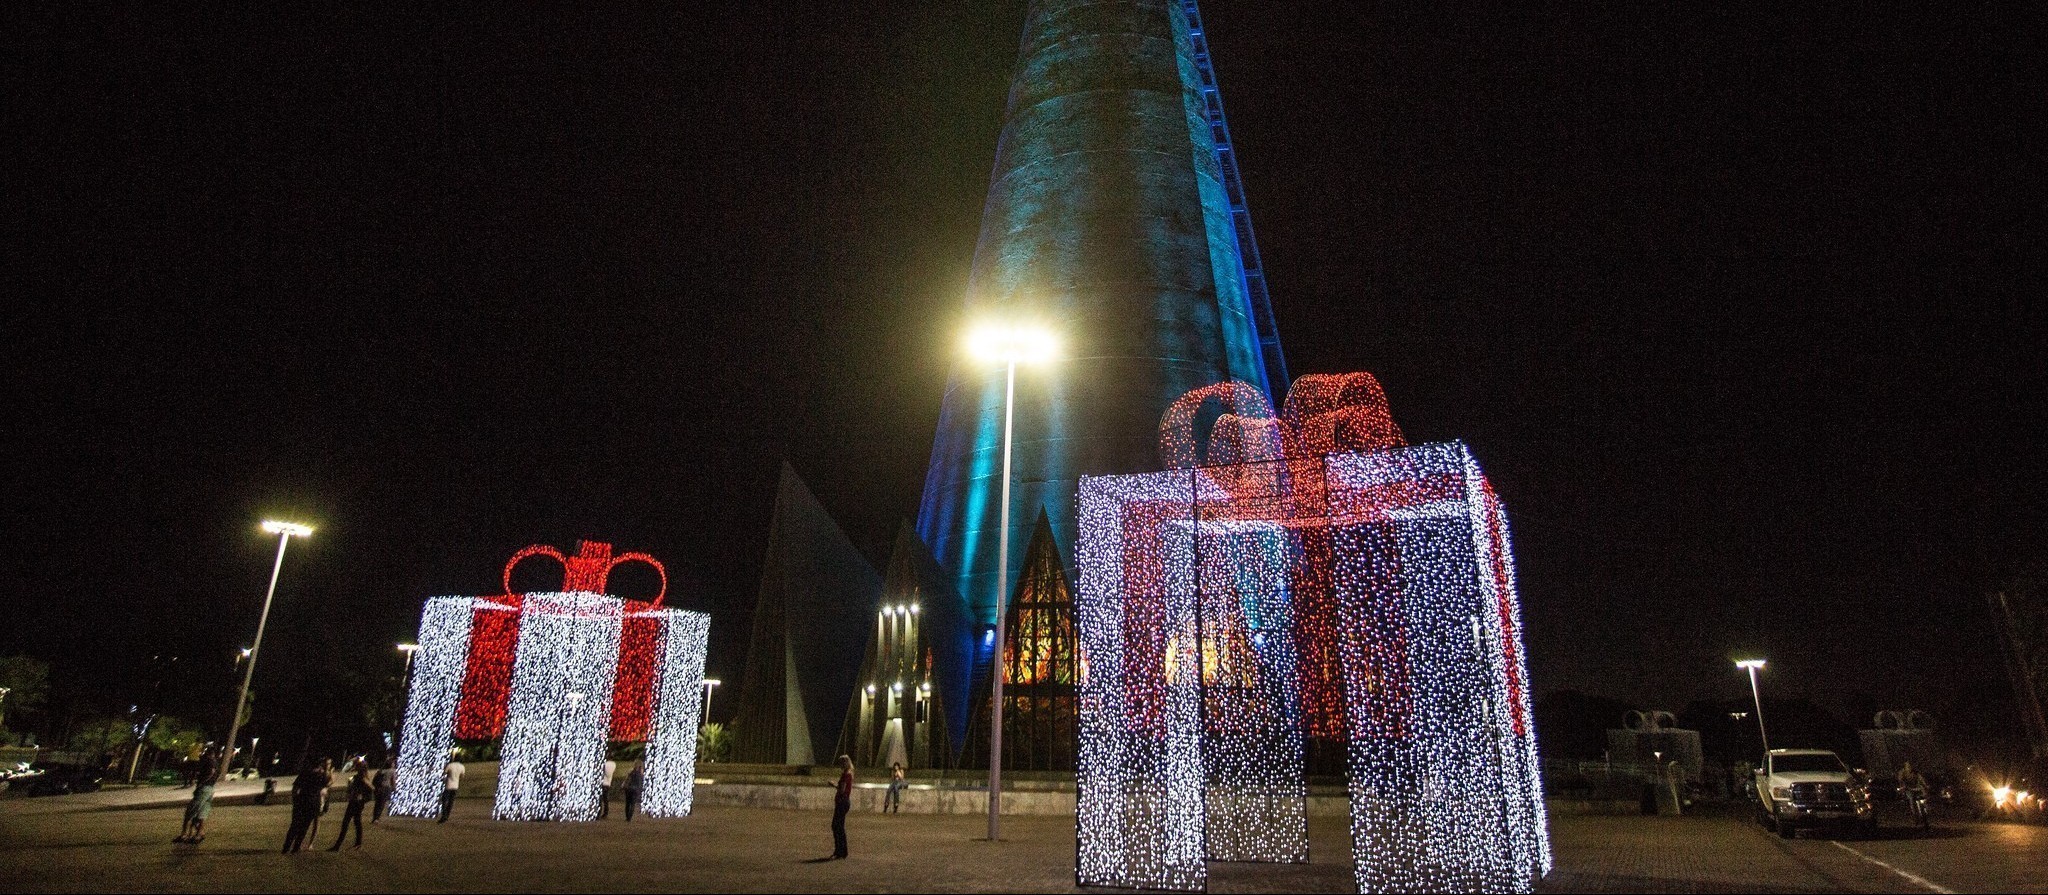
(818, 598)
(1042, 658)
(1115, 215)
(899, 708)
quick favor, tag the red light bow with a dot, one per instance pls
(590, 568)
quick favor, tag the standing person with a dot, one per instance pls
(894, 803)
(193, 831)
(451, 780)
(305, 806)
(383, 784)
(360, 792)
(604, 789)
(636, 780)
(842, 802)
(325, 771)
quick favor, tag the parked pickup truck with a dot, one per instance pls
(1801, 789)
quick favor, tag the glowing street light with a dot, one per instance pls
(285, 531)
(1751, 666)
(408, 649)
(1009, 345)
(709, 683)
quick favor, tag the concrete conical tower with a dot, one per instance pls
(1115, 218)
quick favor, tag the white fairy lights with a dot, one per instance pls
(551, 761)
(438, 668)
(1366, 596)
(566, 670)
(671, 759)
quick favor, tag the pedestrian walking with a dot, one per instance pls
(360, 792)
(636, 780)
(842, 802)
(451, 780)
(305, 806)
(604, 789)
(382, 784)
(193, 831)
(893, 804)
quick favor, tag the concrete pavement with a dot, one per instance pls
(81, 844)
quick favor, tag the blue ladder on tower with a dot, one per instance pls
(1256, 299)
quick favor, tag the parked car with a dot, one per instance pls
(1801, 789)
(53, 779)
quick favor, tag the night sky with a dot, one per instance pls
(1740, 307)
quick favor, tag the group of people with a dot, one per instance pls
(632, 787)
(370, 789)
(366, 789)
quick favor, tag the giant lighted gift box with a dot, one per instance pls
(555, 676)
(1305, 574)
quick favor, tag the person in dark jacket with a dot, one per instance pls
(305, 805)
(842, 802)
(360, 792)
(636, 780)
(384, 783)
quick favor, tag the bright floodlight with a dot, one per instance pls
(288, 529)
(1749, 663)
(1010, 343)
(408, 647)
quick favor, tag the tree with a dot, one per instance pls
(98, 737)
(175, 735)
(27, 680)
(713, 743)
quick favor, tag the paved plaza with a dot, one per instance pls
(96, 844)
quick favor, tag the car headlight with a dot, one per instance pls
(1782, 793)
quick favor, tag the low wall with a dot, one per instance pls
(793, 788)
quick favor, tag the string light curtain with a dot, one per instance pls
(1344, 586)
(558, 675)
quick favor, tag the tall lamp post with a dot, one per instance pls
(709, 684)
(1751, 666)
(284, 531)
(1008, 344)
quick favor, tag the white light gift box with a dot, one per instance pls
(1228, 611)
(567, 673)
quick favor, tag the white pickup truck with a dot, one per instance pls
(1808, 788)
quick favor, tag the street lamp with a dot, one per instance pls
(1751, 666)
(1008, 344)
(284, 531)
(709, 683)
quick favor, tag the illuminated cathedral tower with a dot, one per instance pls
(1115, 217)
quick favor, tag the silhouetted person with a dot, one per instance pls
(451, 780)
(894, 803)
(382, 784)
(604, 789)
(360, 792)
(193, 831)
(842, 802)
(326, 772)
(636, 780)
(305, 806)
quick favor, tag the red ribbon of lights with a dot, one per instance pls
(487, 679)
